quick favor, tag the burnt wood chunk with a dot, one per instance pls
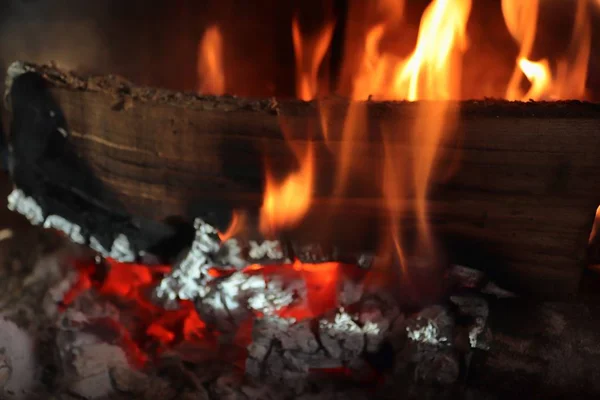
(515, 192)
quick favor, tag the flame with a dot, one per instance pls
(285, 203)
(211, 75)
(238, 223)
(521, 19)
(309, 56)
(538, 74)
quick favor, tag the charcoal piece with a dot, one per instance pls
(376, 315)
(375, 334)
(466, 277)
(18, 364)
(349, 292)
(492, 289)
(442, 367)
(433, 325)
(127, 380)
(89, 363)
(477, 309)
(313, 253)
(341, 336)
(293, 335)
(281, 351)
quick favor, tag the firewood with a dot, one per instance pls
(521, 203)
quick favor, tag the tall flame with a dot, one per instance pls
(521, 19)
(211, 75)
(309, 56)
(432, 73)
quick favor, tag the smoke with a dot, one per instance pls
(67, 32)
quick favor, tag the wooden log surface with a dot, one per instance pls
(520, 204)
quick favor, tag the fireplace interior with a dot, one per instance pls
(300, 200)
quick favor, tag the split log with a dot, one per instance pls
(521, 203)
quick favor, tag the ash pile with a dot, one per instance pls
(365, 343)
(366, 336)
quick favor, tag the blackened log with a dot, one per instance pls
(540, 350)
(521, 204)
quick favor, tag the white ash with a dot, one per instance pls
(18, 364)
(266, 250)
(432, 326)
(73, 231)
(18, 201)
(230, 255)
(477, 308)
(376, 314)
(275, 296)
(120, 250)
(190, 276)
(343, 338)
(26, 206)
(231, 299)
(365, 261)
(426, 332)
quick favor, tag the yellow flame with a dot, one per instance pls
(310, 53)
(211, 75)
(538, 74)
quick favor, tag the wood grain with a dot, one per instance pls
(520, 204)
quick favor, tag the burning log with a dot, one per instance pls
(523, 197)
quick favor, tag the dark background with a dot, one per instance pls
(155, 42)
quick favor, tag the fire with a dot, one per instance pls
(285, 203)
(538, 74)
(239, 219)
(309, 56)
(521, 19)
(211, 75)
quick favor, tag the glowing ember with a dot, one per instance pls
(129, 287)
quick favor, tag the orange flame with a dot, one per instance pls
(521, 19)
(310, 53)
(238, 224)
(285, 203)
(211, 75)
